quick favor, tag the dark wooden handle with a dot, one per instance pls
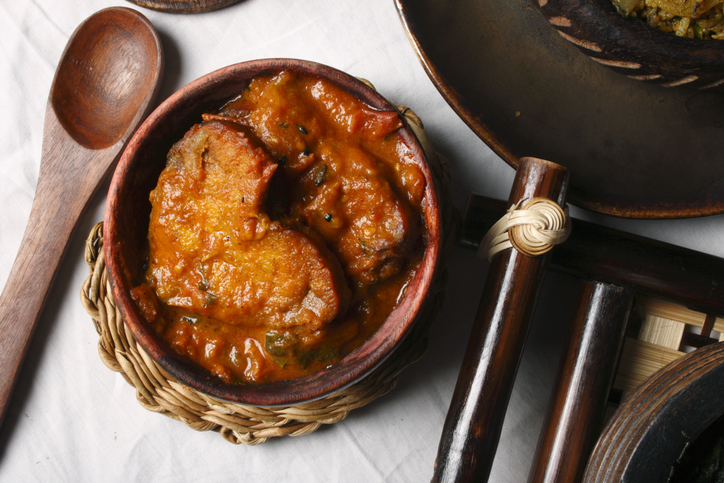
(475, 418)
(688, 277)
(580, 394)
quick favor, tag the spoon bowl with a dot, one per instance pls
(109, 63)
(107, 77)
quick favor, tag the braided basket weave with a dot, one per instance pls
(157, 391)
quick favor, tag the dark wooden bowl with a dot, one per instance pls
(126, 226)
(668, 411)
(184, 6)
(633, 48)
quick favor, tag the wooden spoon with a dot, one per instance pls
(107, 78)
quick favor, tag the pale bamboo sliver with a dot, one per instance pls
(639, 360)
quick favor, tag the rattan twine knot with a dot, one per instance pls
(157, 391)
(532, 230)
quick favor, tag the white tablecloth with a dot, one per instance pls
(71, 419)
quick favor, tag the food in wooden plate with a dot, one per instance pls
(696, 19)
(284, 229)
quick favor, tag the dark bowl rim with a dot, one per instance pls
(356, 365)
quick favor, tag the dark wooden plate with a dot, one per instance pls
(652, 428)
(634, 149)
(183, 6)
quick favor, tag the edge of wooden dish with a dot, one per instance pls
(183, 6)
(136, 175)
(651, 429)
(631, 47)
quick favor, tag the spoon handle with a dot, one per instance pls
(68, 178)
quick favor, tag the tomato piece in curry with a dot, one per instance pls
(283, 231)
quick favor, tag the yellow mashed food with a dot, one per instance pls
(700, 19)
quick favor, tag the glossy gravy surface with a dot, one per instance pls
(283, 230)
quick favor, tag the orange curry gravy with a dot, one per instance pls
(283, 231)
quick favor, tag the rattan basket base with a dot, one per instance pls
(239, 424)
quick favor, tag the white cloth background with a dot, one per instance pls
(73, 420)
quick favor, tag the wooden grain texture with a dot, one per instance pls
(475, 418)
(107, 77)
(655, 424)
(580, 394)
(183, 6)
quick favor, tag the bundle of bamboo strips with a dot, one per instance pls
(667, 331)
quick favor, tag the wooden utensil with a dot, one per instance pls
(106, 80)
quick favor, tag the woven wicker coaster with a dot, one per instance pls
(157, 391)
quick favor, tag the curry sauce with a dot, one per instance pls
(283, 231)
